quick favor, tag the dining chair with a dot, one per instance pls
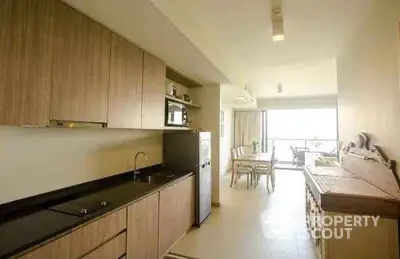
(268, 171)
(241, 169)
(240, 151)
(246, 150)
(298, 155)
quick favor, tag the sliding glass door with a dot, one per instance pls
(314, 130)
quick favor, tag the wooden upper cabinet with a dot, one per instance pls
(125, 92)
(142, 232)
(153, 102)
(81, 67)
(26, 57)
(10, 56)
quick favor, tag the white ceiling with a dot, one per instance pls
(236, 36)
(230, 41)
(297, 80)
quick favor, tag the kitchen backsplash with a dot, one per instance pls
(38, 160)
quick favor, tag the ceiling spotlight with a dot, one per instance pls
(277, 25)
(279, 88)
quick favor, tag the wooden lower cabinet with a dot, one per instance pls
(93, 235)
(58, 249)
(142, 241)
(113, 249)
(146, 229)
(361, 242)
(176, 213)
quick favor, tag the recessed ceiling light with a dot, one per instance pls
(277, 25)
(279, 88)
(278, 37)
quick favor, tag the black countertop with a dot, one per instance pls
(18, 233)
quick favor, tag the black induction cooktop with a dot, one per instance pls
(81, 207)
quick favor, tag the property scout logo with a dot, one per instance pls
(322, 227)
(339, 226)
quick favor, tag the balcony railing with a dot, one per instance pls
(285, 155)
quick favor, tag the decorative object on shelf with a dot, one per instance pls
(171, 89)
(187, 98)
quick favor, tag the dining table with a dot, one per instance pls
(255, 159)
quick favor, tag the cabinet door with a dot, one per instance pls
(176, 212)
(113, 249)
(153, 104)
(81, 67)
(33, 93)
(60, 249)
(189, 203)
(10, 56)
(125, 93)
(142, 242)
(97, 233)
(26, 54)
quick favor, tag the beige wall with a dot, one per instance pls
(208, 119)
(226, 142)
(37, 160)
(368, 79)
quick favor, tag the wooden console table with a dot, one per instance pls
(366, 184)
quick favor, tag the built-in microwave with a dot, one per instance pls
(175, 114)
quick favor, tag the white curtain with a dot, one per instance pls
(247, 127)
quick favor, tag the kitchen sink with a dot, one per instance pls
(159, 178)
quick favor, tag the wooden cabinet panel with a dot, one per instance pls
(125, 92)
(176, 213)
(189, 203)
(81, 67)
(143, 229)
(153, 103)
(10, 56)
(26, 55)
(87, 238)
(113, 249)
(58, 249)
(33, 93)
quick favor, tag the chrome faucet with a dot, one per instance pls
(135, 172)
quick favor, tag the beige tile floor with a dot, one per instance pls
(252, 224)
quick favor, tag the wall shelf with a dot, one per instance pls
(177, 77)
(189, 104)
